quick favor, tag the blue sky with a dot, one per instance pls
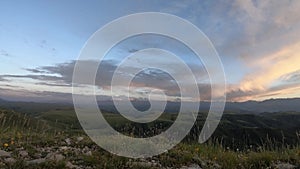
(258, 42)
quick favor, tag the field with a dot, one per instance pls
(54, 139)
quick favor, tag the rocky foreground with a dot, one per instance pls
(81, 153)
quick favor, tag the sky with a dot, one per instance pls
(258, 43)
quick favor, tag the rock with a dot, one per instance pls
(10, 160)
(85, 149)
(23, 153)
(71, 166)
(89, 153)
(37, 155)
(36, 161)
(68, 141)
(193, 166)
(79, 139)
(64, 148)
(55, 157)
(77, 151)
(284, 166)
(4, 153)
(59, 157)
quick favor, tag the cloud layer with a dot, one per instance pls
(60, 75)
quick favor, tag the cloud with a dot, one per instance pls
(155, 79)
(133, 50)
(35, 70)
(35, 77)
(272, 67)
(280, 91)
(270, 75)
(178, 6)
(5, 53)
(3, 79)
(268, 24)
(28, 95)
(53, 84)
(245, 29)
(240, 95)
(291, 77)
(60, 75)
(43, 43)
(10, 86)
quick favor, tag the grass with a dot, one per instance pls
(29, 133)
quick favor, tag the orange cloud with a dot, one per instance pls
(268, 70)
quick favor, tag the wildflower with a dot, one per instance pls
(5, 145)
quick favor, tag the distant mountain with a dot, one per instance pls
(267, 106)
(1, 100)
(271, 105)
(252, 107)
(32, 107)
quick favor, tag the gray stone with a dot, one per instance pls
(36, 161)
(284, 166)
(79, 139)
(23, 153)
(72, 166)
(10, 160)
(64, 148)
(68, 141)
(89, 153)
(4, 153)
(55, 157)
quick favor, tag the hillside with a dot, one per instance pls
(236, 130)
(49, 141)
(44, 135)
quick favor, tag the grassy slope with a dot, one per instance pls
(48, 129)
(235, 130)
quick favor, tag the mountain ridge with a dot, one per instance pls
(251, 106)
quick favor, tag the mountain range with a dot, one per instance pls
(255, 107)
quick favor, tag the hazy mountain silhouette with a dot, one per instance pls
(271, 105)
